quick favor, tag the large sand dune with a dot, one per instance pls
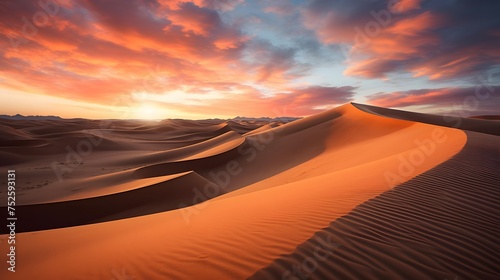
(356, 192)
(430, 227)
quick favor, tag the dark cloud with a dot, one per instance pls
(136, 15)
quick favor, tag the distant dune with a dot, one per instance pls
(21, 117)
(356, 192)
(487, 117)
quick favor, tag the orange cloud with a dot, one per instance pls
(403, 6)
(414, 26)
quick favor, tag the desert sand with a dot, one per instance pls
(356, 192)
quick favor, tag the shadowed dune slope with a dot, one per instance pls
(442, 224)
(210, 147)
(258, 130)
(147, 197)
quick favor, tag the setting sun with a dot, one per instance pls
(147, 112)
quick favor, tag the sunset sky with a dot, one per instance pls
(225, 58)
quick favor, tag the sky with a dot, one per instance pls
(198, 59)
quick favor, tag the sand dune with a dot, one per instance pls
(210, 147)
(145, 196)
(431, 227)
(495, 118)
(217, 200)
(258, 130)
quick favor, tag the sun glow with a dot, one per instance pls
(148, 112)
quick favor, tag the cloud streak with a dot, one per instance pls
(295, 102)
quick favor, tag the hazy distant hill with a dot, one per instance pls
(262, 119)
(21, 117)
(487, 117)
(266, 119)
